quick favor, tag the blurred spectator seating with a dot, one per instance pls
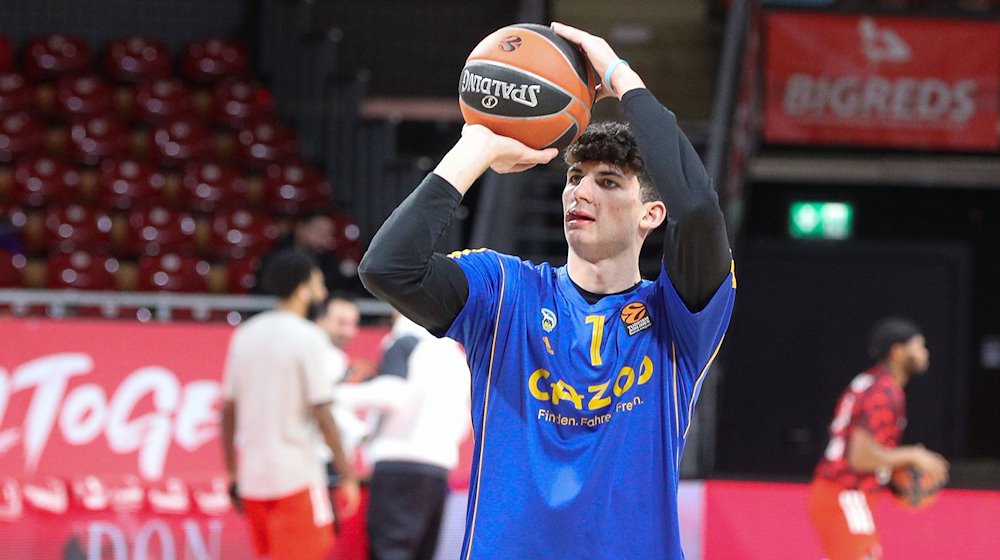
(181, 140)
(264, 142)
(205, 62)
(162, 100)
(12, 269)
(21, 135)
(134, 59)
(83, 96)
(237, 102)
(81, 270)
(241, 275)
(173, 273)
(292, 188)
(75, 227)
(143, 178)
(43, 181)
(97, 138)
(16, 92)
(207, 187)
(51, 56)
(157, 230)
(126, 183)
(240, 234)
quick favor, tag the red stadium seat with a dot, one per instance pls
(205, 187)
(172, 273)
(6, 54)
(12, 267)
(205, 62)
(240, 234)
(21, 135)
(83, 96)
(347, 243)
(265, 142)
(73, 228)
(237, 102)
(81, 270)
(241, 275)
(163, 100)
(133, 59)
(93, 139)
(292, 188)
(51, 56)
(16, 93)
(158, 230)
(42, 181)
(126, 183)
(180, 141)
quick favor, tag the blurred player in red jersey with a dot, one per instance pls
(864, 444)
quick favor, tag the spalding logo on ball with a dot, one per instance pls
(526, 82)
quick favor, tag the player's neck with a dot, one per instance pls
(607, 276)
(293, 305)
(897, 372)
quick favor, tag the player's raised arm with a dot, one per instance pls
(696, 250)
(400, 266)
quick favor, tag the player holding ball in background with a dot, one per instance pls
(584, 377)
(864, 449)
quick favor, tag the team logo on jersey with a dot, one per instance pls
(548, 319)
(636, 318)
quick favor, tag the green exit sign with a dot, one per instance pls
(820, 220)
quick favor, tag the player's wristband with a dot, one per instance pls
(611, 70)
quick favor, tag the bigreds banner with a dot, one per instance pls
(895, 82)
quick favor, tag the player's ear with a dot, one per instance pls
(656, 212)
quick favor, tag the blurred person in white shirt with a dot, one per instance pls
(276, 400)
(422, 394)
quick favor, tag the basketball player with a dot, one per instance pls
(584, 376)
(276, 394)
(864, 444)
(422, 394)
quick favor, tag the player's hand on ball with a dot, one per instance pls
(507, 155)
(601, 57)
(932, 466)
(347, 497)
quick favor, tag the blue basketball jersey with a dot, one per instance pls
(580, 411)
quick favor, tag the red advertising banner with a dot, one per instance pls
(881, 81)
(109, 440)
(763, 521)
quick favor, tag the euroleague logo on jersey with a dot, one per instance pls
(636, 318)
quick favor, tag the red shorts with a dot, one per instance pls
(843, 519)
(296, 527)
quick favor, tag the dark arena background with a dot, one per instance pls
(151, 151)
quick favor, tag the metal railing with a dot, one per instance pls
(146, 306)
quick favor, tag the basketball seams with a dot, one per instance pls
(584, 78)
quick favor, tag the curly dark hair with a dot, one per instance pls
(614, 143)
(286, 271)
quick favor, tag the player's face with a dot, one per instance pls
(601, 210)
(916, 355)
(341, 322)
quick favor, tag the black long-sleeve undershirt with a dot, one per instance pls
(402, 269)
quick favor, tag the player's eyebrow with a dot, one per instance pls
(608, 170)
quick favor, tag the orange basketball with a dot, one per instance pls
(912, 490)
(526, 82)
